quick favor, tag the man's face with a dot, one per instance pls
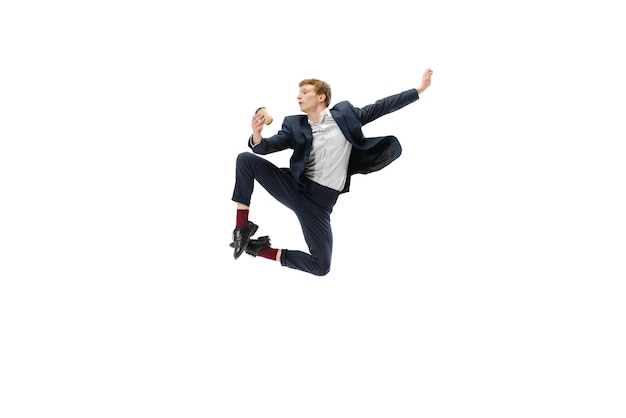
(308, 99)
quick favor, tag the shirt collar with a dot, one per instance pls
(323, 115)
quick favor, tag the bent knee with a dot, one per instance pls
(245, 156)
(321, 268)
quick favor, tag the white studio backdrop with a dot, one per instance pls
(481, 274)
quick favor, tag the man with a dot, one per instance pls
(328, 148)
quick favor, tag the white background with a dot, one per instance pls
(481, 274)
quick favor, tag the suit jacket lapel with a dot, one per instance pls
(343, 125)
(308, 135)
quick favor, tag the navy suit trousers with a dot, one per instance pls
(312, 207)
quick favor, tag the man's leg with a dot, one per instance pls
(315, 223)
(251, 167)
(313, 212)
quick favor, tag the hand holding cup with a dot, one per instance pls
(263, 111)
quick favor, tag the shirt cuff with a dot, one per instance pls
(252, 144)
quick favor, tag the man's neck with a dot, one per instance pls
(315, 115)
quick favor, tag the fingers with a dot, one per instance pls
(425, 81)
(426, 77)
(258, 118)
(257, 122)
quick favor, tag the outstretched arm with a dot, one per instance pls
(425, 81)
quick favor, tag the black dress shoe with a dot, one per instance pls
(256, 245)
(241, 237)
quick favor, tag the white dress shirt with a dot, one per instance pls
(330, 153)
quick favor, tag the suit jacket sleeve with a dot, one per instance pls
(387, 105)
(282, 140)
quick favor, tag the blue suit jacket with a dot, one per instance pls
(368, 154)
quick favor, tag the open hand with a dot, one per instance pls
(425, 81)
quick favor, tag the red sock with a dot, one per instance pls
(269, 253)
(242, 217)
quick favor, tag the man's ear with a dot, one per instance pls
(322, 98)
